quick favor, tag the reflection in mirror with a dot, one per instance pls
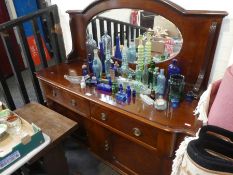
(125, 36)
(138, 35)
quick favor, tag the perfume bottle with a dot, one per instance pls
(138, 74)
(124, 64)
(173, 68)
(118, 54)
(140, 60)
(91, 45)
(102, 55)
(148, 46)
(145, 75)
(131, 52)
(107, 43)
(161, 81)
(107, 64)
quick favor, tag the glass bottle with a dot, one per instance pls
(91, 45)
(102, 55)
(173, 68)
(107, 43)
(90, 63)
(107, 64)
(131, 52)
(118, 54)
(124, 64)
(97, 65)
(138, 74)
(140, 60)
(155, 76)
(161, 81)
(148, 46)
(145, 75)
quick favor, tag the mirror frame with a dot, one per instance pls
(200, 31)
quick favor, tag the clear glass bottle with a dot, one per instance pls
(107, 43)
(107, 64)
(148, 47)
(161, 82)
(131, 52)
(91, 45)
(102, 55)
(118, 54)
(124, 64)
(140, 60)
(145, 75)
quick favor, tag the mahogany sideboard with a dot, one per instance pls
(134, 138)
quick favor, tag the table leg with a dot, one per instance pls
(55, 161)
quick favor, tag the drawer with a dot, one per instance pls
(68, 100)
(123, 123)
(76, 104)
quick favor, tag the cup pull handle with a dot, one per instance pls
(137, 132)
(103, 116)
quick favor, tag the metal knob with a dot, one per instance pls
(54, 93)
(73, 102)
(103, 116)
(106, 145)
(137, 132)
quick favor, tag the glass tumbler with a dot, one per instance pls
(176, 87)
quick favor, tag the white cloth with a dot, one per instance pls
(203, 105)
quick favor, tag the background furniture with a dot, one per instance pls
(57, 127)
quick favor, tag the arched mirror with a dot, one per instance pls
(131, 26)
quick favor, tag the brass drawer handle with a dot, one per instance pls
(54, 93)
(103, 116)
(106, 145)
(73, 102)
(137, 132)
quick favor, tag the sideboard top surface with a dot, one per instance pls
(172, 120)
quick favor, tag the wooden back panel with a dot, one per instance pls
(199, 29)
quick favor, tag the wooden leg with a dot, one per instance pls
(55, 161)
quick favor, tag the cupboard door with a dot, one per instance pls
(133, 158)
(99, 140)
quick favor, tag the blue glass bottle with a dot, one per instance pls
(96, 69)
(173, 68)
(102, 56)
(118, 54)
(128, 91)
(161, 82)
(90, 63)
(96, 57)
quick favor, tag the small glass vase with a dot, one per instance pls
(176, 87)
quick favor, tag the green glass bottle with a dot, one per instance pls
(145, 75)
(138, 74)
(141, 54)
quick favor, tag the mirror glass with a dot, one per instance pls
(132, 25)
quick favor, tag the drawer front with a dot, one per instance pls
(64, 98)
(133, 128)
